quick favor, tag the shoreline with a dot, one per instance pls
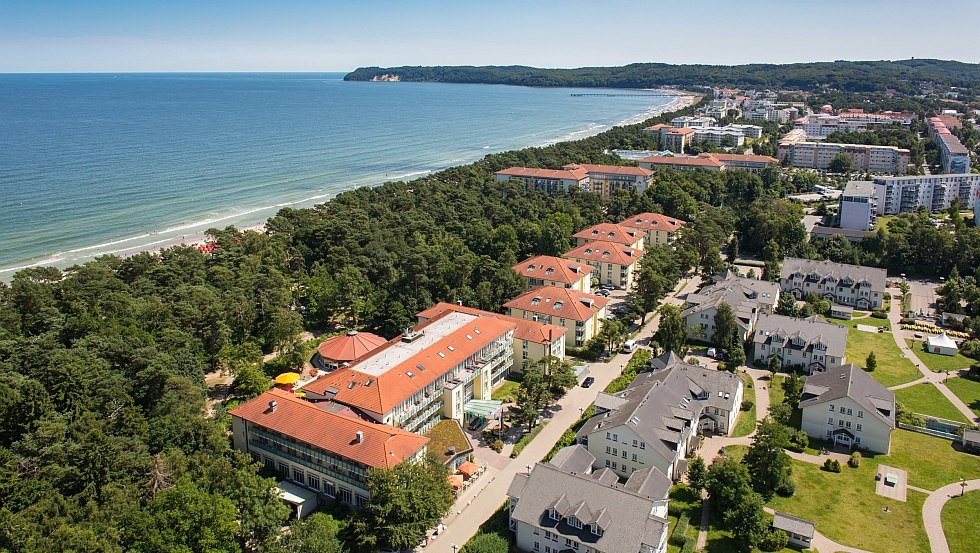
(194, 233)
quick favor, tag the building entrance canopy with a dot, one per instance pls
(487, 408)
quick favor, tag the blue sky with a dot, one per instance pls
(339, 35)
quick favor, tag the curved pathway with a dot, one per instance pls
(934, 378)
(932, 511)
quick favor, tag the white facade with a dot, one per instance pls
(719, 136)
(821, 421)
(864, 157)
(894, 195)
(692, 122)
(858, 206)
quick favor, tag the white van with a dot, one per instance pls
(629, 346)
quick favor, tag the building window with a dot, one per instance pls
(840, 422)
(614, 467)
(608, 435)
(830, 420)
(615, 437)
(313, 482)
(608, 449)
(842, 410)
(859, 428)
(284, 469)
(848, 424)
(643, 445)
(607, 463)
(615, 452)
(624, 454)
(634, 457)
(860, 414)
(634, 443)
(537, 546)
(345, 495)
(329, 488)
(848, 412)
(831, 406)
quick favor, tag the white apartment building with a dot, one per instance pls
(858, 206)
(810, 344)
(687, 121)
(864, 157)
(748, 298)
(546, 180)
(846, 406)
(719, 136)
(895, 195)
(783, 115)
(851, 285)
(818, 126)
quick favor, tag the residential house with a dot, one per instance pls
(578, 312)
(655, 420)
(851, 285)
(431, 372)
(864, 157)
(615, 264)
(846, 406)
(546, 270)
(661, 230)
(565, 506)
(748, 297)
(533, 340)
(611, 232)
(810, 344)
(326, 448)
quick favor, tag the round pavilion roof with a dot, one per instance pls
(350, 346)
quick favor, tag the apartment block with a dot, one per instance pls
(858, 206)
(545, 180)
(810, 344)
(660, 229)
(864, 157)
(611, 232)
(851, 285)
(601, 179)
(748, 298)
(895, 195)
(580, 313)
(846, 406)
(615, 264)
(608, 179)
(546, 270)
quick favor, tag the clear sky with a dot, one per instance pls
(340, 35)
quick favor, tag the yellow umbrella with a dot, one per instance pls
(287, 378)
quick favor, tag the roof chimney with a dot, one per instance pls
(359, 436)
(272, 406)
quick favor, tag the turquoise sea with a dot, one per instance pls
(99, 163)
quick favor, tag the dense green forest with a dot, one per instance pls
(106, 443)
(855, 76)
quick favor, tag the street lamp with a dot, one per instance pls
(962, 486)
(455, 547)
(528, 469)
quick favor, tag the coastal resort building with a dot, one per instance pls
(748, 298)
(533, 340)
(810, 344)
(851, 285)
(431, 372)
(579, 313)
(671, 138)
(745, 162)
(941, 344)
(661, 230)
(546, 180)
(615, 264)
(846, 406)
(546, 270)
(601, 179)
(654, 422)
(611, 232)
(326, 448)
(345, 348)
(608, 179)
(681, 163)
(565, 505)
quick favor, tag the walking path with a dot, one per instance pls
(932, 511)
(821, 542)
(934, 378)
(479, 503)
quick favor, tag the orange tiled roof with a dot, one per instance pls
(381, 445)
(742, 157)
(552, 268)
(532, 172)
(380, 393)
(605, 252)
(564, 303)
(611, 169)
(681, 130)
(657, 127)
(611, 232)
(652, 221)
(527, 330)
(350, 346)
(689, 161)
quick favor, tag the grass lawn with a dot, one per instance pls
(960, 515)
(720, 540)
(931, 462)
(927, 400)
(892, 367)
(777, 395)
(507, 391)
(683, 500)
(939, 363)
(968, 390)
(841, 503)
(746, 419)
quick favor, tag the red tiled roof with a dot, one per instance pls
(605, 252)
(350, 346)
(657, 127)
(742, 157)
(381, 393)
(532, 172)
(611, 232)
(527, 330)
(681, 130)
(381, 445)
(559, 302)
(611, 169)
(652, 221)
(552, 268)
(686, 161)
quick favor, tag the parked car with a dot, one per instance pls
(588, 382)
(477, 422)
(603, 293)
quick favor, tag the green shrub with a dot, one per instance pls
(831, 465)
(526, 439)
(689, 545)
(879, 314)
(487, 543)
(747, 405)
(681, 528)
(855, 460)
(496, 444)
(774, 540)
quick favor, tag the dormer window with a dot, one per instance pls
(596, 529)
(574, 522)
(553, 514)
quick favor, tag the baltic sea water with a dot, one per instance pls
(100, 163)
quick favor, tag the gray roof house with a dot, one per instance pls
(562, 505)
(851, 285)
(799, 530)
(811, 344)
(651, 422)
(747, 297)
(846, 406)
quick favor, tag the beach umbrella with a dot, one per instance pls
(287, 378)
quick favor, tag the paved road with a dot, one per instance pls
(932, 511)
(478, 503)
(936, 379)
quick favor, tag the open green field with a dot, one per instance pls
(842, 503)
(746, 419)
(893, 368)
(507, 391)
(931, 462)
(927, 400)
(939, 363)
(960, 516)
(777, 395)
(968, 390)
